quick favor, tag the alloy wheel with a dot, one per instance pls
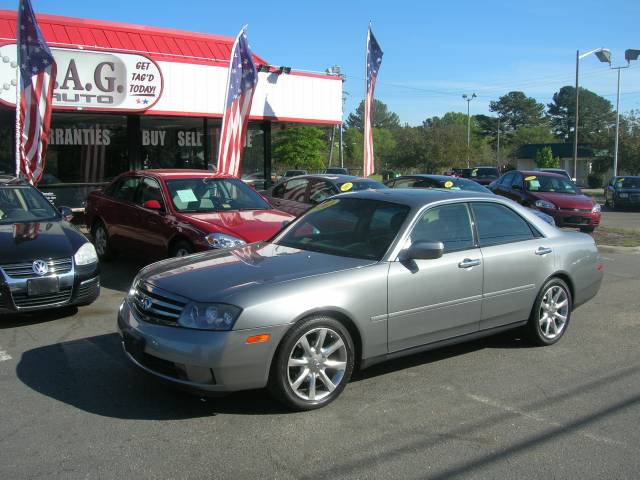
(554, 311)
(182, 252)
(100, 241)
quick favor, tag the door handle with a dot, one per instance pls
(468, 263)
(543, 251)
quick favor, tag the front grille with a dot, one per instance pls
(577, 220)
(161, 307)
(88, 290)
(581, 210)
(22, 300)
(57, 266)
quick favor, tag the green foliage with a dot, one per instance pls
(382, 117)
(545, 159)
(595, 180)
(629, 148)
(384, 146)
(517, 110)
(300, 147)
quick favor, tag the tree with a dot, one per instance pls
(516, 110)
(300, 147)
(545, 159)
(596, 115)
(384, 146)
(382, 117)
(629, 143)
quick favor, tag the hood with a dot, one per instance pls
(212, 276)
(565, 200)
(248, 225)
(25, 242)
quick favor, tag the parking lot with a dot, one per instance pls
(71, 406)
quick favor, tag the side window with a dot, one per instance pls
(517, 180)
(149, 190)
(126, 189)
(320, 190)
(295, 189)
(278, 191)
(507, 180)
(405, 183)
(426, 183)
(449, 224)
(498, 224)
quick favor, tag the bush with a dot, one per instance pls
(595, 180)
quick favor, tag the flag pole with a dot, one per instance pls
(18, 156)
(366, 110)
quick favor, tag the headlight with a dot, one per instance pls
(209, 316)
(545, 204)
(623, 195)
(596, 208)
(220, 240)
(86, 254)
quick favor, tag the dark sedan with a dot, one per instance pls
(436, 181)
(621, 192)
(482, 175)
(44, 261)
(299, 194)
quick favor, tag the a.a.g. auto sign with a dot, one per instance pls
(89, 80)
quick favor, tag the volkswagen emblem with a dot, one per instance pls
(146, 303)
(40, 267)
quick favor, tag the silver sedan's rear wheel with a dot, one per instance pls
(313, 364)
(551, 313)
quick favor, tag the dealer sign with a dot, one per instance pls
(88, 80)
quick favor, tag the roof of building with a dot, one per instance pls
(562, 150)
(158, 42)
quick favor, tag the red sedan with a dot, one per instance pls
(159, 213)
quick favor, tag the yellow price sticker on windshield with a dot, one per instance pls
(327, 204)
(345, 187)
(448, 184)
(528, 179)
(226, 205)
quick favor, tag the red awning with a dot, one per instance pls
(159, 43)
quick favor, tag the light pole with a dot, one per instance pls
(468, 98)
(498, 146)
(604, 55)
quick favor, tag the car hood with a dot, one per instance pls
(212, 276)
(25, 242)
(248, 225)
(564, 200)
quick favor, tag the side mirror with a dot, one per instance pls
(66, 213)
(424, 251)
(152, 205)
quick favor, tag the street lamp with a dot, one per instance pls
(468, 98)
(604, 55)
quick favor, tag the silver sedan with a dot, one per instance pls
(361, 278)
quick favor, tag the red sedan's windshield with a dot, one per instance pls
(190, 195)
(550, 184)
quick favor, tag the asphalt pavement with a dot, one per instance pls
(620, 218)
(71, 407)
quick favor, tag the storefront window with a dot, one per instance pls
(172, 142)
(7, 142)
(253, 162)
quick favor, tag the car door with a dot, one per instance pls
(123, 212)
(517, 260)
(431, 300)
(150, 231)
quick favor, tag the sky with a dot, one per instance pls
(433, 51)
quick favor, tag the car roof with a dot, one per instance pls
(416, 197)
(539, 173)
(174, 173)
(433, 177)
(335, 177)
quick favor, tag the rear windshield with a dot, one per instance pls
(359, 185)
(24, 204)
(633, 182)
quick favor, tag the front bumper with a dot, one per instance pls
(574, 218)
(631, 201)
(199, 359)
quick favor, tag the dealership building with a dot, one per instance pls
(130, 96)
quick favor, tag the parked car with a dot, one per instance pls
(45, 262)
(297, 195)
(160, 213)
(255, 180)
(450, 183)
(294, 173)
(553, 194)
(482, 175)
(336, 171)
(559, 171)
(361, 278)
(621, 192)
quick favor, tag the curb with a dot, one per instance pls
(617, 249)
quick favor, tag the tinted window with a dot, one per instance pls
(405, 183)
(320, 190)
(359, 185)
(295, 189)
(449, 224)
(126, 188)
(24, 204)
(507, 180)
(629, 182)
(278, 190)
(497, 224)
(149, 190)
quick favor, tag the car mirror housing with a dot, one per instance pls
(424, 251)
(152, 205)
(66, 213)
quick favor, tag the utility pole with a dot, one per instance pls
(575, 125)
(333, 132)
(498, 146)
(468, 98)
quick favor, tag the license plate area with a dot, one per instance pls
(42, 286)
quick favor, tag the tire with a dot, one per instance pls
(315, 378)
(587, 229)
(181, 248)
(102, 242)
(540, 331)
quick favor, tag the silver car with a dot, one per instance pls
(361, 278)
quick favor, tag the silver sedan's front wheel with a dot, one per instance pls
(551, 313)
(313, 364)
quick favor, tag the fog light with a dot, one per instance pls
(263, 337)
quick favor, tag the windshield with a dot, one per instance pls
(462, 184)
(550, 184)
(347, 227)
(359, 185)
(24, 204)
(213, 195)
(633, 182)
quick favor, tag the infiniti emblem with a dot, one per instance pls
(146, 303)
(40, 267)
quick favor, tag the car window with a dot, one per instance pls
(517, 179)
(295, 189)
(278, 190)
(126, 189)
(507, 180)
(539, 183)
(213, 195)
(149, 190)
(320, 190)
(497, 224)
(24, 204)
(449, 224)
(405, 183)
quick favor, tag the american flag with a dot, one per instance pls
(374, 59)
(241, 85)
(37, 76)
